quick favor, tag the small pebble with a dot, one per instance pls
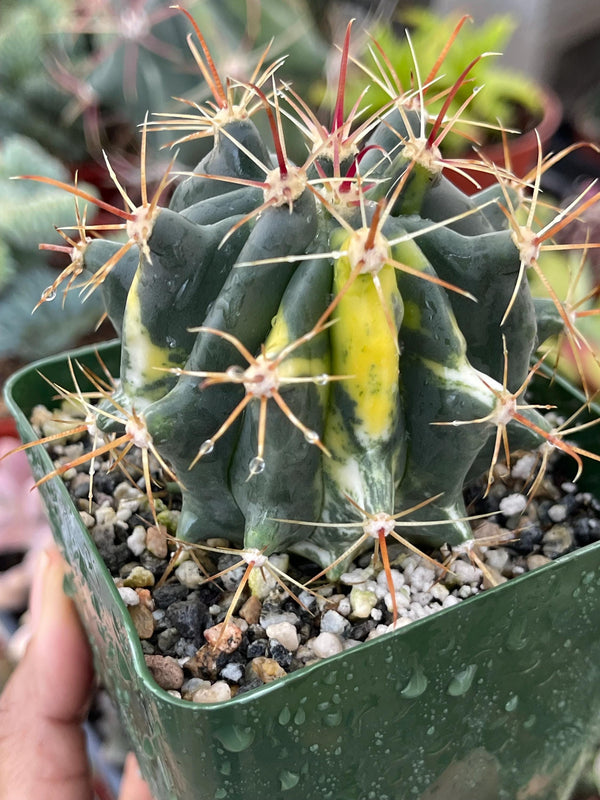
(439, 592)
(493, 577)
(129, 596)
(124, 491)
(192, 685)
(524, 467)
(422, 579)
(263, 581)
(326, 644)
(397, 579)
(265, 669)
(513, 504)
(232, 672)
(356, 576)
(497, 558)
(332, 622)
(165, 671)
(280, 654)
(273, 617)
(344, 607)
(167, 639)
(216, 693)
(537, 560)
(143, 620)
(257, 648)
(466, 573)
(557, 513)
(557, 540)
(139, 577)
(204, 663)
(188, 574)
(156, 541)
(285, 633)
(402, 601)
(362, 602)
(251, 609)
(307, 599)
(136, 541)
(224, 637)
(87, 519)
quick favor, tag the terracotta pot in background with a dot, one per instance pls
(522, 148)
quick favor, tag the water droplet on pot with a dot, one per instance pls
(288, 779)
(461, 682)
(512, 703)
(235, 739)
(333, 719)
(416, 685)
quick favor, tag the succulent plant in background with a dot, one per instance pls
(28, 214)
(74, 77)
(508, 98)
(33, 38)
(322, 355)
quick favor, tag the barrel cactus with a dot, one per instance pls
(322, 355)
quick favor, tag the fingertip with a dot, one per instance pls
(133, 786)
(58, 656)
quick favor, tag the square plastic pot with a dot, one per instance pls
(496, 697)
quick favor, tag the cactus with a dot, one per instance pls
(323, 354)
(28, 213)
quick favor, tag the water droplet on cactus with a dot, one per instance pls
(235, 373)
(322, 380)
(206, 447)
(256, 466)
(312, 437)
(48, 294)
(171, 343)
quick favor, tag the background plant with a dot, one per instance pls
(509, 96)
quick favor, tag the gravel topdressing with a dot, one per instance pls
(205, 641)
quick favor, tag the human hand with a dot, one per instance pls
(42, 708)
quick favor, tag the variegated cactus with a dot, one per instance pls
(322, 355)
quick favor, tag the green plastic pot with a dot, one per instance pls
(497, 697)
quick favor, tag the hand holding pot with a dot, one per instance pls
(42, 743)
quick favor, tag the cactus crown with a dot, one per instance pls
(323, 355)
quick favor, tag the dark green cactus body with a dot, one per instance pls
(171, 288)
(227, 159)
(117, 283)
(289, 485)
(186, 417)
(230, 204)
(438, 385)
(486, 266)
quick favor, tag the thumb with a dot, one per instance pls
(133, 786)
(42, 745)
